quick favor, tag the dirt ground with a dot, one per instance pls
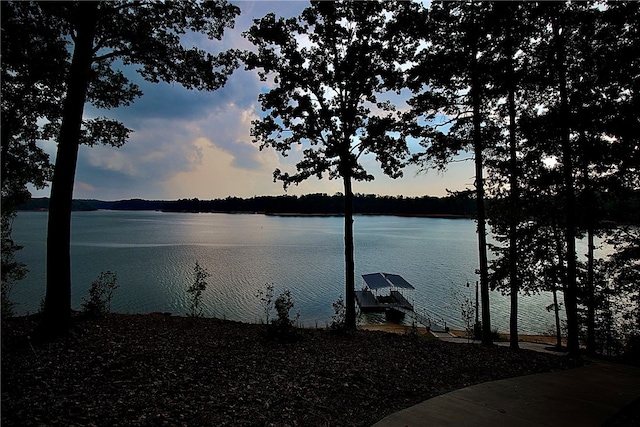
(155, 370)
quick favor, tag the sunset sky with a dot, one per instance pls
(189, 144)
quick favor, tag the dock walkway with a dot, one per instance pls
(423, 320)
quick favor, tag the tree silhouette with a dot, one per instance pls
(331, 67)
(98, 34)
(30, 95)
(451, 84)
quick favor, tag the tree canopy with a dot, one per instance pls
(331, 68)
(88, 44)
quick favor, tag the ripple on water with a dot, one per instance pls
(154, 255)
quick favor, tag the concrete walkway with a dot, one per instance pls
(586, 396)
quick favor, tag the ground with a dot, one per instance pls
(157, 369)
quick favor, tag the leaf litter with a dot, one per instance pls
(161, 370)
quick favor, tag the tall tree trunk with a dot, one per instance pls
(556, 313)
(513, 184)
(479, 162)
(562, 272)
(482, 244)
(591, 298)
(570, 298)
(57, 306)
(590, 205)
(350, 295)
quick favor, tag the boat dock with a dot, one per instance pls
(395, 304)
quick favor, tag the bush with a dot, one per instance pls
(467, 310)
(266, 301)
(282, 327)
(338, 320)
(100, 294)
(196, 289)
(11, 270)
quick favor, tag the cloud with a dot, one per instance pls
(198, 144)
(216, 175)
(84, 186)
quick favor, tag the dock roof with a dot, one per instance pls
(385, 280)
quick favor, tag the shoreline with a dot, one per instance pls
(407, 215)
(404, 329)
(275, 214)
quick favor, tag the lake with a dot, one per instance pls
(154, 253)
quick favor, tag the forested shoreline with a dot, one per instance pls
(310, 204)
(463, 205)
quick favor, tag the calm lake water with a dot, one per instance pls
(154, 253)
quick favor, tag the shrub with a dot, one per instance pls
(338, 320)
(100, 294)
(283, 305)
(467, 310)
(196, 289)
(282, 327)
(266, 301)
(11, 271)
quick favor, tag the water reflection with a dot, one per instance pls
(154, 253)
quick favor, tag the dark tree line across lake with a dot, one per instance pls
(461, 205)
(310, 204)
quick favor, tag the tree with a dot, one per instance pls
(331, 67)
(451, 86)
(508, 28)
(623, 271)
(587, 100)
(98, 34)
(30, 94)
(619, 38)
(540, 243)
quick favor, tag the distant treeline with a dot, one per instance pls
(456, 205)
(310, 204)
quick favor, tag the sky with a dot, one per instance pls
(188, 144)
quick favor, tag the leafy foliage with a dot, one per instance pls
(266, 300)
(332, 68)
(338, 321)
(555, 85)
(31, 94)
(11, 270)
(467, 309)
(621, 299)
(452, 93)
(88, 44)
(282, 327)
(327, 94)
(196, 289)
(100, 294)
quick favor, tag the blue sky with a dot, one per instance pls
(197, 144)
